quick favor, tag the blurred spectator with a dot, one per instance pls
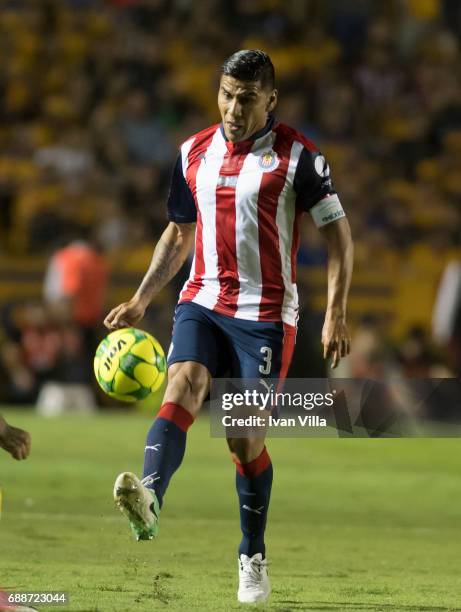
(143, 134)
(75, 289)
(372, 357)
(33, 351)
(71, 158)
(416, 356)
(40, 347)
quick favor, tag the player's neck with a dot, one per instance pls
(256, 134)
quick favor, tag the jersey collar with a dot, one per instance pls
(259, 134)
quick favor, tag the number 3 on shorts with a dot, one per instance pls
(266, 368)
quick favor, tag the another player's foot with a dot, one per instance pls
(138, 504)
(254, 585)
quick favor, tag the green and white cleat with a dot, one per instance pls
(138, 504)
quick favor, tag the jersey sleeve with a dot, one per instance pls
(312, 180)
(314, 189)
(180, 205)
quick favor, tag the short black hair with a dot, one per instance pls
(250, 65)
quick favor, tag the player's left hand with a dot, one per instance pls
(335, 338)
(15, 441)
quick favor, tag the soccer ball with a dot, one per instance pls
(130, 365)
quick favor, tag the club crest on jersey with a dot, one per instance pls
(268, 161)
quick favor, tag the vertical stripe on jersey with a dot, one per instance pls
(185, 149)
(195, 282)
(285, 220)
(247, 230)
(204, 287)
(226, 232)
(273, 287)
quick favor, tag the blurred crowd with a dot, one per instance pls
(95, 97)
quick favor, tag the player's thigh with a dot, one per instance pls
(262, 350)
(195, 337)
(192, 357)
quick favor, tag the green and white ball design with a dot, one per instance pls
(130, 365)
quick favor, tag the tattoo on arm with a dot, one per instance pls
(167, 259)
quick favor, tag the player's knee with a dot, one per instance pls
(188, 385)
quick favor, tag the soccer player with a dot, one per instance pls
(14, 440)
(238, 191)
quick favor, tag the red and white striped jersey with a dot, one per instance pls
(247, 199)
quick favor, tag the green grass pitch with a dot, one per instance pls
(354, 524)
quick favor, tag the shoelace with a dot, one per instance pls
(252, 572)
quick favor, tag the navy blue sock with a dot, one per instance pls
(165, 447)
(254, 482)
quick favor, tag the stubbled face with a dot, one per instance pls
(244, 106)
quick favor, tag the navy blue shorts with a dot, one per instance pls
(231, 347)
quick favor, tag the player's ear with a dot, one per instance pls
(272, 102)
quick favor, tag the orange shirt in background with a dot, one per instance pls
(80, 273)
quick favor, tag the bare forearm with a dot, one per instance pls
(335, 335)
(169, 255)
(339, 280)
(340, 264)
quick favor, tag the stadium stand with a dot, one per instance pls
(96, 96)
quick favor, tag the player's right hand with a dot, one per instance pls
(125, 315)
(15, 441)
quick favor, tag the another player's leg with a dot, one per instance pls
(253, 482)
(141, 500)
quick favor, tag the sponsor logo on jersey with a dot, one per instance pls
(321, 166)
(227, 181)
(268, 161)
